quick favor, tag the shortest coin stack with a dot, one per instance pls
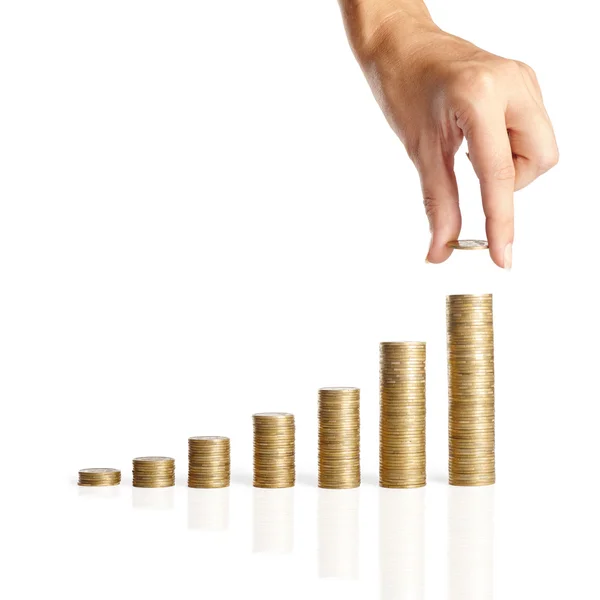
(153, 472)
(209, 462)
(99, 477)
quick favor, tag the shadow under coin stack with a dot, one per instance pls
(470, 336)
(209, 462)
(99, 477)
(402, 415)
(339, 438)
(153, 472)
(274, 450)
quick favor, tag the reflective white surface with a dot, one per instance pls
(425, 544)
(153, 498)
(273, 520)
(338, 542)
(208, 510)
(471, 543)
(402, 544)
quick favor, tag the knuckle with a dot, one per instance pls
(525, 68)
(512, 67)
(465, 118)
(499, 225)
(412, 146)
(475, 83)
(431, 204)
(505, 172)
(547, 160)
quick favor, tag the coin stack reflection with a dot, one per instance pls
(153, 472)
(338, 533)
(402, 544)
(274, 450)
(470, 338)
(339, 438)
(471, 543)
(99, 477)
(208, 509)
(402, 415)
(273, 520)
(209, 462)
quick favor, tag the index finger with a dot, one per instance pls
(491, 155)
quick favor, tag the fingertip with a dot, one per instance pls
(501, 254)
(500, 235)
(439, 252)
(497, 257)
(508, 257)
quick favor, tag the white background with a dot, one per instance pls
(203, 215)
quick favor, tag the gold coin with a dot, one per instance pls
(339, 438)
(274, 450)
(153, 471)
(402, 386)
(209, 462)
(470, 347)
(98, 477)
(468, 245)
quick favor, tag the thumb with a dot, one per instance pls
(440, 197)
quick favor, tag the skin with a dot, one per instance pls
(435, 90)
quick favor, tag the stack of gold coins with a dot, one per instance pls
(339, 438)
(274, 450)
(99, 477)
(209, 462)
(153, 472)
(471, 389)
(402, 415)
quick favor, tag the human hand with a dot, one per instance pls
(436, 89)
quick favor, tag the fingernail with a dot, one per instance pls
(508, 257)
(428, 251)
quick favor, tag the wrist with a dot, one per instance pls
(367, 21)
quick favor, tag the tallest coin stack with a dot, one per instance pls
(470, 336)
